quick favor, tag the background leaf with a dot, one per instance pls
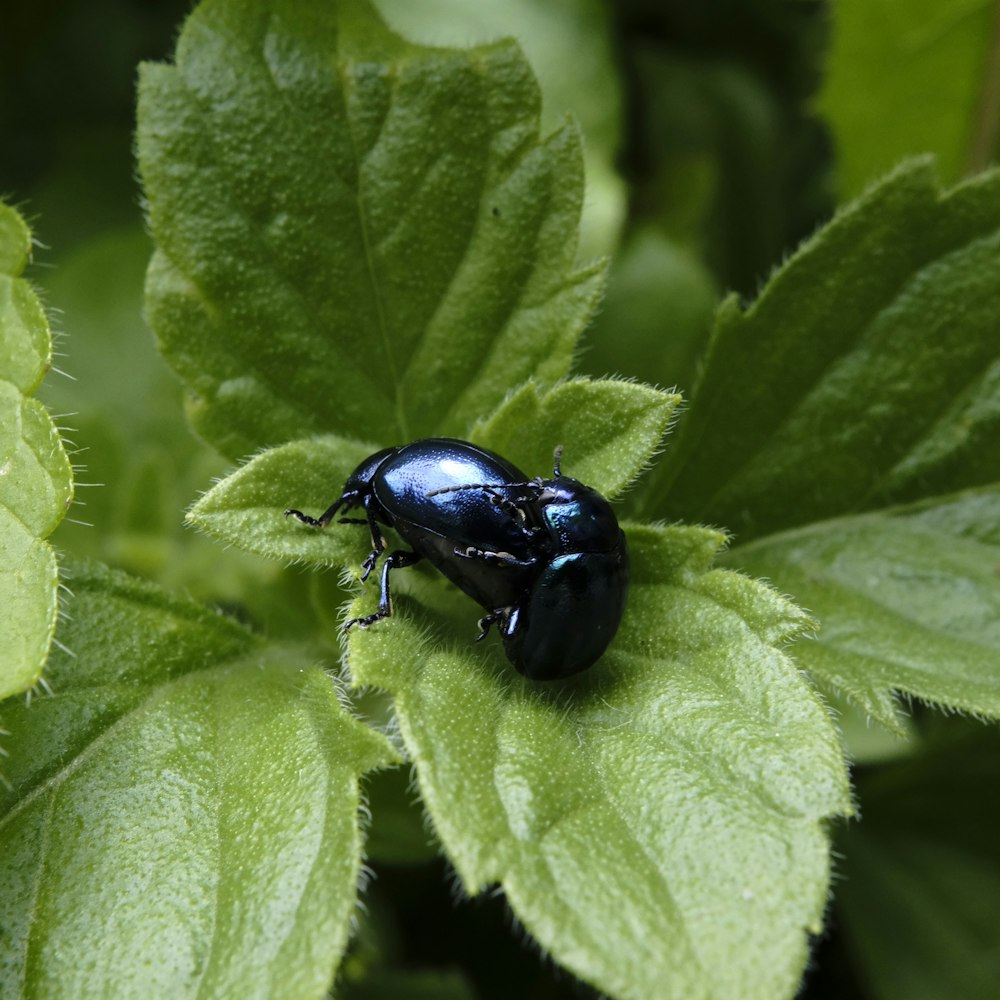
(724, 153)
(570, 48)
(36, 480)
(909, 599)
(907, 78)
(380, 241)
(659, 307)
(600, 806)
(195, 793)
(865, 373)
(919, 894)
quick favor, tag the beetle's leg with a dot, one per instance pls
(513, 509)
(378, 543)
(498, 618)
(347, 500)
(318, 522)
(395, 560)
(507, 558)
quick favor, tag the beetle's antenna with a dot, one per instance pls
(489, 487)
(557, 460)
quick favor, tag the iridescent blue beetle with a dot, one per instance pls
(544, 557)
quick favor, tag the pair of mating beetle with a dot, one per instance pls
(544, 557)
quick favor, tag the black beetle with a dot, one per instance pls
(545, 557)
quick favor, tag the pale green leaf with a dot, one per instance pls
(909, 600)
(657, 825)
(907, 77)
(247, 508)
(608, 428)
(353, 232)
(36, 480)
(181, 813)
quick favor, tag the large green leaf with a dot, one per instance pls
(658, 824)
(181, 814)
(866, 372)
(909, 600)
(36, 480)
(355, 235)
(907, 77)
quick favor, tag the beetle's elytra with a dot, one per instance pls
(544, 557)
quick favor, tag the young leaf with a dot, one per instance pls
(181, 815)
(36, 480)
(247, 509)
(865, 373)
(657, 825)
(909, 600)
(353, 232)
(610, 428)
(908, 77)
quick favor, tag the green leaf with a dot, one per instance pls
(36, 480)
(610, 428)
(865, 376)
(909, 77)
(867, 371)
(657, 825)
(569, 46)
(919, 897)
(247, 508)
(656, 317)
(909, 600)
(181, 817)
(353, 232)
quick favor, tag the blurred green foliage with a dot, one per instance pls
(714, 147)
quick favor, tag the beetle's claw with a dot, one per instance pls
(361, 622)
(368, 565)
(304, 518)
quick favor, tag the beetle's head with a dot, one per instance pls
(577, 516)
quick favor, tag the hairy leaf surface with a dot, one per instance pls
(657, 825)
(181, 814)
